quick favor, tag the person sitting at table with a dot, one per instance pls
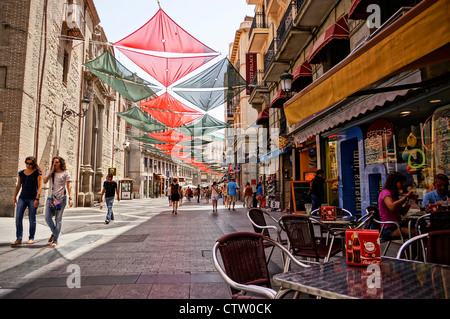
(391, 207)
(440, 192)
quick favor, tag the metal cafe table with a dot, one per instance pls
(394, 279)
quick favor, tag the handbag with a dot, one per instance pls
(55, 203)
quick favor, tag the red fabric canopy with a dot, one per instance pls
(168, 103)
(339, 30)
(172, 119)
(170, 136)
(358, 10)
(263, 117)
(162, 34)
(170, 147)
(166, 70)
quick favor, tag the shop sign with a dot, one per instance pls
(379, 135)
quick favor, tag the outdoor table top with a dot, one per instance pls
(394, 279)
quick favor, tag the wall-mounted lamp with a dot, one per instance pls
(66, 112)
(286, 81)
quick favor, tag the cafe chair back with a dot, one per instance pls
(377, 224)
(302, 240)
(440, 220)
(437, 246)
(244, 266)
(258, 221)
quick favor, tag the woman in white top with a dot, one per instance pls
(215, 195)
(60, 187)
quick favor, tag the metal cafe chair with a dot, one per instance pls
(302, 240)
(258, 221)
(437, 247)
(377, 224)
(244, 264)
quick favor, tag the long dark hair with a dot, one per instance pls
(62, 162)
(34, 165)
(392, 179)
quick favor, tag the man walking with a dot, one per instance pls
(232, 187)
(109, 186)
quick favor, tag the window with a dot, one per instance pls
(3, 70)
(66, 62)
(4, 35)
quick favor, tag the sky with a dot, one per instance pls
(212, 22)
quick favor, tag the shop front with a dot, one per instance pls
(389, 110)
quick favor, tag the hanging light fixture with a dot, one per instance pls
(286, 81)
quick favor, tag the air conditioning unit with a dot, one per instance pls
(74, 21)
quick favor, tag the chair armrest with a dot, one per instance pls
(287, 252)
(267, 292)
(408, 242)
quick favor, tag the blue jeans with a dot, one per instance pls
(316, 201)
(22, 204)
(109, 203)
(55, 226)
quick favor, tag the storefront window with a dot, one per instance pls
(416, 145)
(332, 170)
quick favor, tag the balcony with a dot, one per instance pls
(258, 89)
(259, 32)
(292, 39)
(74, 21)
(273, 67)
(310, 13)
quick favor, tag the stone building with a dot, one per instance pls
(49, 105)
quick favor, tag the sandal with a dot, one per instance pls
(50, 240)
(54, 244)
(16, 243)
(31, 241)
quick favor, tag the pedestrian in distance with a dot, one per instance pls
(225, 195)
(175, 195)
(232, 188)
(30, 186)
(198, 193)
(248, 193)
(260, 194)
(109, 190)
(207, 194)
(215, 195)
(181, 196)
(59, 188)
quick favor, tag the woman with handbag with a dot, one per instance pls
(30, 184)
(60, 187)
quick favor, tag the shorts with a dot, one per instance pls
(175, 197)
(232, 198)
(215, 197)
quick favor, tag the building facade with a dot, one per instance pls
(367, 98)
(50, 106)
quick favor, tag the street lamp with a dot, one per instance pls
(66, 112)
(286, 81)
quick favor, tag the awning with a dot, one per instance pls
(346, 110)
(394, 50)
(303, 70)
(339, 30)
(279, 98)
(263, 117)
(358, 10)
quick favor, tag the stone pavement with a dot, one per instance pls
(147, 252)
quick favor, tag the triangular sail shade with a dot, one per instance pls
(162, 34)
(166, 70)
(170, 147)
(167, 102)
(172, 119)
(136, 117)
(144, 138)
(202, 126)
(213, 86)
(112, 72)
(170, 137)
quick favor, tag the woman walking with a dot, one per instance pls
(248, 193)
(175, 195)
(215, 195)
(259, 194)
(30, 184)
(59, 188)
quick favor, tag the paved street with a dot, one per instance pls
(147, 252)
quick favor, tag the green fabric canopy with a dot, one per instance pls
(138, 118)
(112, 72)
(213, 86)
(202, 126)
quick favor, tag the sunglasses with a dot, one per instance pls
(28, 163)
